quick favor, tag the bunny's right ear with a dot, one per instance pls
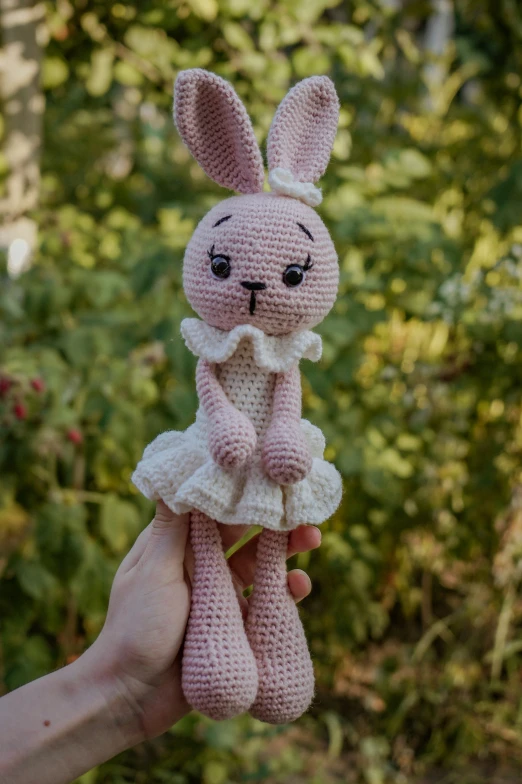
(303, 130)
(216, 128)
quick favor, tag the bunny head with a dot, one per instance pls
(264, 259)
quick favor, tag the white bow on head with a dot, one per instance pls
(283, 181)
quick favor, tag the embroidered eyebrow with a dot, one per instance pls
(306, 231)
(221, 220)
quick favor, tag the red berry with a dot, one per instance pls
(38, 384)
(75, 436)
(5, 385)
(61, 33)
(20, 411)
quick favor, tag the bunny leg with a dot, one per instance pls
(219, 673)
(276, 635)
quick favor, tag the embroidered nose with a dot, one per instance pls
(252, 286)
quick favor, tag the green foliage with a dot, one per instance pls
(416, 614)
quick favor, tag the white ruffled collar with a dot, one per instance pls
(272, 353)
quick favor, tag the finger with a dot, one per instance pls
(243, 562)
(189, 562)
(299, 584)
(303, 539)
(136, 551)
(167, 541)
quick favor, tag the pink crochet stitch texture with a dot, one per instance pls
(276, 636)
(216, 128)
(260, 271)
(219, 674)
(262, 238)
(303, 130)
(232, 436)
(286, 456)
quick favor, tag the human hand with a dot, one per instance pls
(138, 650)
(232, 438)
(286, 454)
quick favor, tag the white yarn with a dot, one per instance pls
(178, 467)
(283, 181)
(272, 353)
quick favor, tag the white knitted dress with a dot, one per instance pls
(178, 468)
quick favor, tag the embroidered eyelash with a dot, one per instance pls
(212, 255)
(308, 264)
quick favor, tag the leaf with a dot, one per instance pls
(91, 777)
(34, 579)
(415, 163)
(100, 76)
(308, 62)
(237, 37)
(335, 733)
(82, 345)
(205, 9)
(127, 74)
(215, 772)
(222, 735)
(408, 442)
(403, 209)
(106, 286)
(31, 662)
(55, 72)
(92, 583)
(119, 523)
(60, 534)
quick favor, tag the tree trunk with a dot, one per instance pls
(22, 28)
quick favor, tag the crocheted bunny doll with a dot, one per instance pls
(260, 271)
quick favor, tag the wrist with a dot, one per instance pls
(116, 698)
(56, 728)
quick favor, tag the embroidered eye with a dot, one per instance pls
(220, 267)
(293, 275)
(219, 264)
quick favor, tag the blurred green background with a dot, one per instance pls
(415, 621)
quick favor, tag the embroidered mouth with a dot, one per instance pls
(252, 287)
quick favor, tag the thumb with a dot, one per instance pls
(167, 540)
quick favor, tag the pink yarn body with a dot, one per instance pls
(267, 261)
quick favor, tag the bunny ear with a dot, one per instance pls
(303, 130)
(216, 128)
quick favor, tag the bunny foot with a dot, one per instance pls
(277, 638)
(219, 673)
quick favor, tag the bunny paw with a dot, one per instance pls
(232, 439)
(286, 456)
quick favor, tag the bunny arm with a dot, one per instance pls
(286, 455)
(232, 437)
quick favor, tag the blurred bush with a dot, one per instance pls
(415, 620)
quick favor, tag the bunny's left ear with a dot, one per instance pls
(303, 130)
(216, 128)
